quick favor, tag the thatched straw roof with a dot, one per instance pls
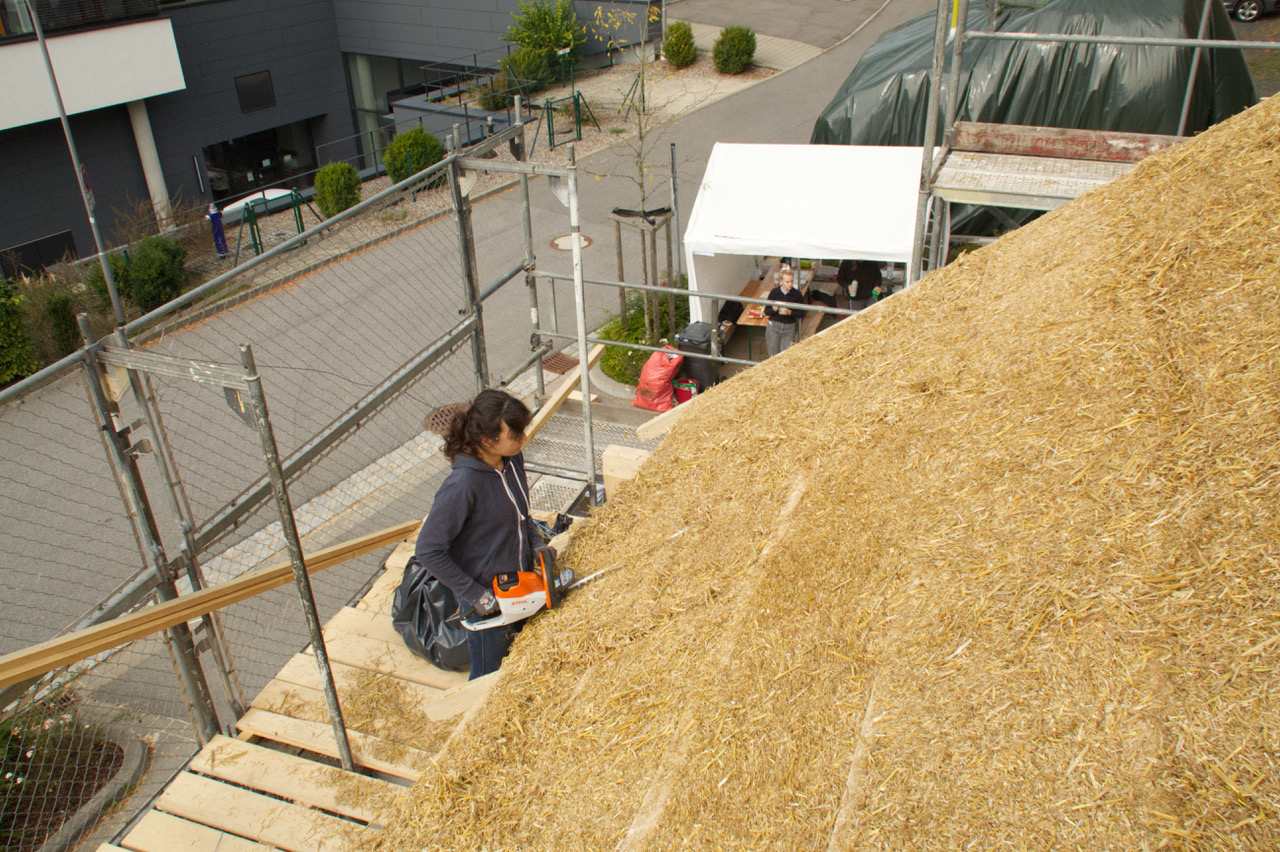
(994, 564)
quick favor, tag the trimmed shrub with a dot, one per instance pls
(679, 48)
(530, 70)
(156, 271)
(410, 152)
(337, 188)
(16, 358)
(734, 50)
(62, 320)
(96, 283)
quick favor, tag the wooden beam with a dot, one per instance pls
(661, 425)
(568, 385)
(233, 809)
(620, 464)
(160, 832)
(371, 752)
(297, 779)
(1069, 143)
(65, 650)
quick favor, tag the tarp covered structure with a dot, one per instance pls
(808, 201)
(1083, 86)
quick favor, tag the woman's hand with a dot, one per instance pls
(487, 605)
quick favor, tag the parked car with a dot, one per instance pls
(1249, 10)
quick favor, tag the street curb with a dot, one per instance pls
(132, 768)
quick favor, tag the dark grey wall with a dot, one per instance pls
(430, 30)
(38, 191)
(296, 40)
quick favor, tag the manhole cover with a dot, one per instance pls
(438, 420)
(565, 243)
(559, 364)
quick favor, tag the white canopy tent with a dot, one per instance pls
(807, 201)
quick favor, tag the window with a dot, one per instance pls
(255, 91)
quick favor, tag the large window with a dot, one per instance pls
(280, 158)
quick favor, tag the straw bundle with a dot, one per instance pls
(993, 564)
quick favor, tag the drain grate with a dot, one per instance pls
(438, 420)
(559, 364)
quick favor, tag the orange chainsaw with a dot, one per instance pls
(520, 594)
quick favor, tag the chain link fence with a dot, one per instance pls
(358, 329)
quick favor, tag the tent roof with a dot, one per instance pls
(818, 201)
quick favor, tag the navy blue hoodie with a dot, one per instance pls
(479, 526)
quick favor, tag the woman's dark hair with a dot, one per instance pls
(484, 419)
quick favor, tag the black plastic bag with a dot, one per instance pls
(423, 611)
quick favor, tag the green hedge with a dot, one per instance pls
(337, 188)
(410, 152)
(734, 50)
(156, 272)
(622, 364)
(679, 48)
(16, 358)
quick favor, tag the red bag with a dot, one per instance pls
(653, 393)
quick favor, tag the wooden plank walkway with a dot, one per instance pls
(279, 784)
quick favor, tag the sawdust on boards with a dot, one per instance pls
(994, 564)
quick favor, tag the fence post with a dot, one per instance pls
(301, 579)
(122, 459)
(530, 259)
(466, 241)
(144, 396)
(580, 302)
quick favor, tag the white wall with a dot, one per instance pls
(722, 274)
(94, 69)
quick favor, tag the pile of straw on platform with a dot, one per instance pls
(994, 564)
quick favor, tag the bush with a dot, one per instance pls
(530, 69)
(622, 364)
(410, 152)
(337, 188)
(96, 283)
(734, 50)
(495, 96)
(156, 272)
(546, 27)
(16, 358)
(62, 320)
(679, 47)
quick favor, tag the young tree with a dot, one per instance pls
(622, 29)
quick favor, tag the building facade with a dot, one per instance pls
(209, 100)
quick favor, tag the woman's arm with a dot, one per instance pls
(449, 513)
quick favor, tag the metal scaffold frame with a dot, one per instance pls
(1072, 165)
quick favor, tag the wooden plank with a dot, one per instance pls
(302, 671)
(460, 699)
(620, 464)
(576, 396)
(107, 847)
(438, 703)
(388, 655)
(303, 781)
(65, 650)
(313, 736)
(570, 381)
(1069, 143)
(233, 809)
(389, 733)
(382, 593)
(661, 425)
(160, 832)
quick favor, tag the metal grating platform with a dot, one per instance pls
(1026, 183)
